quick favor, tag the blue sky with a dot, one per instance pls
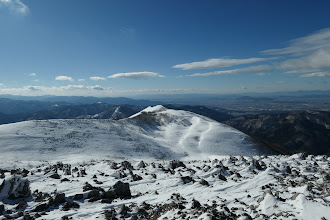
(126, 48)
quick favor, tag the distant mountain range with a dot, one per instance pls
(307, 131)
(304, 131)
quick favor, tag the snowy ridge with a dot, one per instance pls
(155, 132)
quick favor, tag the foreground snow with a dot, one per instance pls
(155, 132)
(274, 187)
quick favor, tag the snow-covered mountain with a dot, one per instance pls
(129, 169)
(155, 132)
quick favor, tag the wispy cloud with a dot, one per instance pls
(317, 61)
(64, 78)
(96, 90)
(136, 75)
(317, 74)
(15, 6)
(32, 74)
(303, 45)
(306, 54)
(251, 69)
(1, 84)
(219, 62)
(81, 80)
(97, 78)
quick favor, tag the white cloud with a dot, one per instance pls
(317, 61)
(137, 75)
(251, 69)
(303, 45)
(307, 54)
(15, 6)
(81, 80)
(97, 78)
(64, 78)
(219, 62)
(31, 74)
(317, 74)
(1, 84)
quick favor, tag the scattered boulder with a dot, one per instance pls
(141, 164)
(136, 177)
(288, 169)
(2, 209)
(55, 176)
(20, 205)
(78, 196)
(59, 199)
(204, 182)
(187, 179)
(70, 205)
(221, 177)
(126, 165)
(119, 190)
(15, 187)
(41, 207)
(94, 194)
(195, 204)
(176, 163)
(256, 164)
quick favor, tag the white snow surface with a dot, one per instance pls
(247, 193)
(155, 132)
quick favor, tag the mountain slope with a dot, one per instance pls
(305, 131)
(154, 132)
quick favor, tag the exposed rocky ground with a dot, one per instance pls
(226, 187)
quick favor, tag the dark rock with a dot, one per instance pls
(2, 185)
(21, 204)
(59, 199)
(288, 169)
(41, 207)
(141, 164)
(78, 196)
(69, 205)
(122, 190)
(204, 182)
(106, 201)
(221, 177)
(176, 163)
(187, 179)
(195, 204)
(94, 194)
(65, 180)
(136, 177)
(110, 214)
(55, 176)
(126, 165)
(2, 208)
(256, 164)
(28, 217)
(93, 199)
(114, 165)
